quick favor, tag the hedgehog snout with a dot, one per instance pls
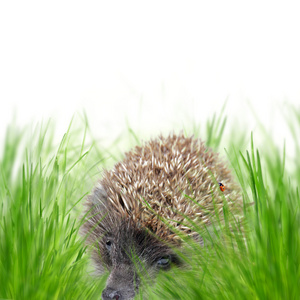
(109, 293)
(122, 283)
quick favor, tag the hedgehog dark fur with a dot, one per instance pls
(135, 206)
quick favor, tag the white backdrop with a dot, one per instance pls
(152, 62)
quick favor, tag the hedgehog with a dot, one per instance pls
(136, 214)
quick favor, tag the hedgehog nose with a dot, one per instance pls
(114, 295)
(111, 294)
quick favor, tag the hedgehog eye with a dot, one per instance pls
(164, 261)
(108, 244)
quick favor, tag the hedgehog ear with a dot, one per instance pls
(99, 195)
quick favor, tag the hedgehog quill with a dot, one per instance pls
(137, 209)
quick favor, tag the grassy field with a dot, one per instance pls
(43, 185)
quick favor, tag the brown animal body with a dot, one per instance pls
(137, 209)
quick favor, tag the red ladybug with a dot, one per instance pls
(222, 186)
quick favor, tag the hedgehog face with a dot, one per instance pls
(129, 252)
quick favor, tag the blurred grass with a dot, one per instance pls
(42, 186)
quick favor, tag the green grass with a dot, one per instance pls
(43, 185)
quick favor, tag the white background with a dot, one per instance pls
(156, 63)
